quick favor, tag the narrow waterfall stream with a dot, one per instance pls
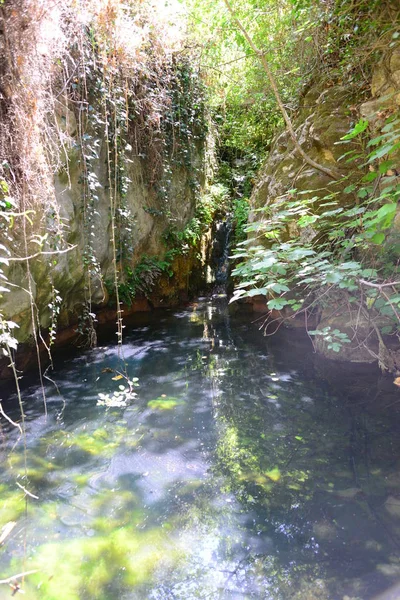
(243, 469)
(220, 256)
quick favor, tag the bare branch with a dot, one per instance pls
(17, 576)
(379, 285)
(26, 491)
(49, 253)
(9, 419)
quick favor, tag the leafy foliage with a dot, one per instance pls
(301, 39)
(240, 209)
(140, 279)
(213, 199)
(310, 245)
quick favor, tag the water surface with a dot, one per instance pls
(243, 469)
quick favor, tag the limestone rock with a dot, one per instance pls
(146, 219)
(395, 60)
(358, 330)
(379, 79)
(396, 78)
(369, 110)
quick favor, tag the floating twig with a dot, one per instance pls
(26, 491)
(17, 576)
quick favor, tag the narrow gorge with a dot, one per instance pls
(200, 299)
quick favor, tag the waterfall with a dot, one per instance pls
(220, 257)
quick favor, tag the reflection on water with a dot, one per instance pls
(243, 469)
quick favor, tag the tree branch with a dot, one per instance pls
(42, 253)
(379, 285)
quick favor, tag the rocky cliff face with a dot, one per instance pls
(67, 272)
(103, 146)
(325, 115)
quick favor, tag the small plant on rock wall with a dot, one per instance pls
(141, 279)
(86, 328)
(149, 112)
(183, 129)
(240, 214)
(216, 197)
(333, 338)
(54, 307)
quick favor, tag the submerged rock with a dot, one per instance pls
(392, 506)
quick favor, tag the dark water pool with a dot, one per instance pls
(242, 469)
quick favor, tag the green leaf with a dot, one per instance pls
(378, 238)
(350, 266)
(256, 292)
(392, 123)
(277, 287)
(385, 149)
(385, 166)
(277, 303)
(370, 176)
(265, 264)
(387, 213)
(377, 140)
(333, 277)
(362, 193)
(387, 329)
(280, 269)
(353, 212)
(357, 129)
(334, 346)
(299, 253)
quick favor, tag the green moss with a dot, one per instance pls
(261, 480)
(191, 487)
(12, 505)
(167, 403)
(47, 514)
(273, 474)
(81, 479)
(100, 442)
(99, 567)
(118, 508)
